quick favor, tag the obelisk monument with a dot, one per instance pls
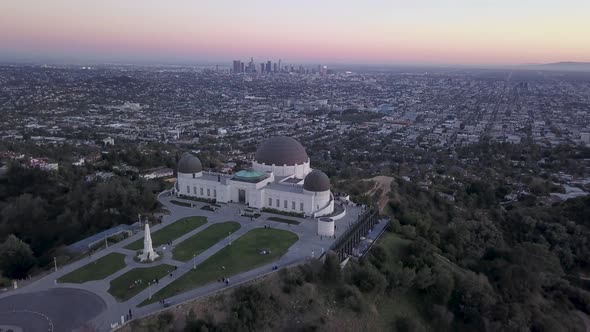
(148, 254)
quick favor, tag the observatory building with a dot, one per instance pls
(280, 178)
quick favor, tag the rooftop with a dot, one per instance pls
(250, 175)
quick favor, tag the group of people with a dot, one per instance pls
(225, 280)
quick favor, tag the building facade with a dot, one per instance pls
(281, 178)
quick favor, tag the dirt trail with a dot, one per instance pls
(384, 183)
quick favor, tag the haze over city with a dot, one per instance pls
(456, 32)
(350, 166)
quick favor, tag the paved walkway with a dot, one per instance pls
(308, 246)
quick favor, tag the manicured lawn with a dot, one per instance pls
(243, 255)
(201, 241)
(283, 220)
(96, 270)
(125, 287)
(171, 232)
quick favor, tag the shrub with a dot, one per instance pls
(285, 213)
(16, 259)
(331, 273)
(407, 324)
(164, 320)
(368, 279)
(408, 231)
(311, 270)
(351, 298)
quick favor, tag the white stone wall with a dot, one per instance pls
(312, 201)
(320, 200)
(300, 171)
(293, 201)
(257, 195)
(197, 187)
(325, 227)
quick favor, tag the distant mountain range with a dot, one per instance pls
(564, 65)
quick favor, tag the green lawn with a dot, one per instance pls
(171, 232)
(124, 287)
(96, 270)
(201, 241)
(284, 220)
(243, 255)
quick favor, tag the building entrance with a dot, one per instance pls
(242, 196)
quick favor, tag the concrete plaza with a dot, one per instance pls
(59, 305)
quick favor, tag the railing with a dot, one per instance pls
(352, 229)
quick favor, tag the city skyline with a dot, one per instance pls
(455, 32)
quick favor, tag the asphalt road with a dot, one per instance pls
(57, 309)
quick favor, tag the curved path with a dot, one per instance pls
(56, 309)
(68, 305)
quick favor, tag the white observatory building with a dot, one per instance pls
(281, 178)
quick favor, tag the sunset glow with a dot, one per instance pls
(373, 31)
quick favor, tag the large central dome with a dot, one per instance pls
(281, 150)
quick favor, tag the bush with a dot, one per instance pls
(16, 258)
(331, 273)
(164, 320)
(368, 279)
(408, 231)
(250, 305)
(199, 199)
(285, 213)
(378, 257)
(311, 271)
(407, 324)
(351, 298)
(290, 280)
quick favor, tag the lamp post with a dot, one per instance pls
(149, 290)
(55, 263)
(194, 261)
(229, 237)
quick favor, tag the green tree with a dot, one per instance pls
(16, 258)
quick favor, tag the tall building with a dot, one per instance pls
(262, 68)
(242, 67)
(251, 66)
(280, 69)
(237, 66)
(276, 67)
(268, 66)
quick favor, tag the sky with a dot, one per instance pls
(452, 32)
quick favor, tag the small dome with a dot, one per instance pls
(316, 181)
(281, 150)
(189, 164)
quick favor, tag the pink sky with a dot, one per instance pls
(371, 31)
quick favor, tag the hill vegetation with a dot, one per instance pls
(47, 210)
(475, 243)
